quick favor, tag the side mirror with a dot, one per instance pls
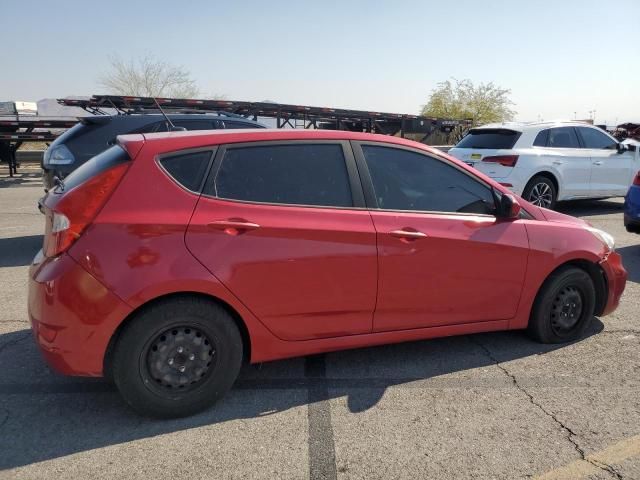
(621, 147)
(509, 207)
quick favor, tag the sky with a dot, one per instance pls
(560, 59)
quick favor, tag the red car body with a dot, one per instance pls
(310, 279)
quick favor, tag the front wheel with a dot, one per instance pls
(177, 357)
(541, 192)
(564, 306)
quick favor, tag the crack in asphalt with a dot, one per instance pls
(571, 435)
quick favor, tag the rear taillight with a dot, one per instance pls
(636, 181)
(77, 208)
(504, 160)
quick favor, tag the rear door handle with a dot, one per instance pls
(597, 162)
(233, 227)
(407, 234)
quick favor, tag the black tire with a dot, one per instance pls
(177, 357)
(564, 306)
(541, 191)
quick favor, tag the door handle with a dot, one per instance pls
(557, 162)
(233, 227)
(407, 234)
(597, 162)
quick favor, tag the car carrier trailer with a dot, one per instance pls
(285, 115)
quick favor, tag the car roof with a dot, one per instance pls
(533, 126)
(203, 138)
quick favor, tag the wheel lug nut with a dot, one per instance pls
(170, 361)
(180, 349)
(192, 356)
(181, 368)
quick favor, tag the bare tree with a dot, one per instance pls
(148, 77)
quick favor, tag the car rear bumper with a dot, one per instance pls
(73, 316)
(616, 281)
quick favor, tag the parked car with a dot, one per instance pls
(94, 134)
(169, 259)
(632, 206)
(548, 162)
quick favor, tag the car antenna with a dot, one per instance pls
(172, 128)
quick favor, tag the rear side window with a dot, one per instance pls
(405, 180)
(489, 138)
(188, 169)
(228, 124)
(563, 137)
(305, 174)
(196, 124)
(541, 139)
(109, 158)
(592, 138)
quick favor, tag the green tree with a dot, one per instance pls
(461, 99)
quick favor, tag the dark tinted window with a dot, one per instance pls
(592, 138)
(302, 174)
(405, 180)
(187, 169)
(541, 139)
(196, 124)
(98, 164)
(228, 124)
(563, 137)
(493, 138)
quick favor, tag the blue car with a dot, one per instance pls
(632, 207)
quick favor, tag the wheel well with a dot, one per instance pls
(598, 278)
(244, 332)
(551, 177)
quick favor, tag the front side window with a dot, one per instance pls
(563, 137)
(406, 180)
(592, 138)
(304, 174)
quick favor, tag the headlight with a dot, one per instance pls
(604, 237)
(60, 155)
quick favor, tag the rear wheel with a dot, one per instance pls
(564, 306)
(541, 192)
(177, 357)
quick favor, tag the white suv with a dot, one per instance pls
(547, 162)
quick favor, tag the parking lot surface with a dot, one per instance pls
(477, 406)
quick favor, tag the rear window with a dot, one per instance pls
(187, 169)
(489, 138)
(109, 158)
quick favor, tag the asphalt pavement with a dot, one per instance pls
(495, 406)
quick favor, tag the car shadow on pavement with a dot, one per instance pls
(21, 179)
(19, 251)
(44, 416)
(580, 208)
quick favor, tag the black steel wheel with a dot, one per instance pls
(564, 306)
(177, 357)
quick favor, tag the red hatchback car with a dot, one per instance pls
(171, 258)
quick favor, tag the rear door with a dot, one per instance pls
(282, 225)
(611, 172)
(560, 149)
(443, 256)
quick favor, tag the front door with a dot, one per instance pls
(277, 226)
(443, 256)
(611, 172)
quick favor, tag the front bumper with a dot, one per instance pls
(73, 316)
(616, 281)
